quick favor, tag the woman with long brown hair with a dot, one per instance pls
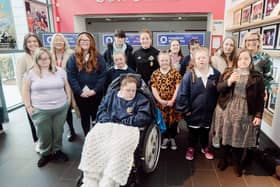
(86, 75)
(30, 43)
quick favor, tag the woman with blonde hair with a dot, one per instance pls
(46, 95)
(86, 76)
(261, 60)
(61, 52)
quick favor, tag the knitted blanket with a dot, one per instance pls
(109, 151)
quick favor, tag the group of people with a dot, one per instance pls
(222, 96)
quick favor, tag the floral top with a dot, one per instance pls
(263, 64)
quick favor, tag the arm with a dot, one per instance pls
(142, 117)
(177, 80)
(72, 75)
(172, 101)
(20, 70)
(103, 114)
(157, 97)
(26, 95)
(101, 77)
(267, 72)
(183, 104)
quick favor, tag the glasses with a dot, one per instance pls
(252, 40)
(84, 40)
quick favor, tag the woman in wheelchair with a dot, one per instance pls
(108, 152)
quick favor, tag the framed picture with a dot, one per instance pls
(257, 10)
(278, 39)
(256, 30)
(37, 16)
(241, 37)
(246, 13)
(269, 6)
(235, 35)
(274, 90)
(7, 26)
(269, 36)
(237, 17)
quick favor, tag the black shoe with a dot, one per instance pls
(59, 155)
(238, 171)
(222, 165)
(71, 137)
(44, 160)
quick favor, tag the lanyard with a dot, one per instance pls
(59, 63)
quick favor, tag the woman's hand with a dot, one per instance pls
(163, 102)
(170, 103)
(91, 93)
(84, 95)
(234, 77)
(257, 121)
(30, 110)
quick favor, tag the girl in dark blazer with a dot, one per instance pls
(86, 76)
(196, 99)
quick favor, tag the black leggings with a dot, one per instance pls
(69, 120)
(198, 134)
(171, 131)
(33, 129)
(88, 108)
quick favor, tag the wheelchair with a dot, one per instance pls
(147, 153)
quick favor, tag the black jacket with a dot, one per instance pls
(145, 62)
(193, 97)
(108, 55)
(136, 112)
(254, 92)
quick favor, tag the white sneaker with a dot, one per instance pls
(165, 143)
(37, 147)
(173, 144)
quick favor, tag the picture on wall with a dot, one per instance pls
(237, 17)
(274, 90)
(37, 18)
(7, 26)
(256, 30)
(241, 37)
(257, 10)
(246, 13)
(269, 6)
(235, 35)
(269, 36)
(278, 39)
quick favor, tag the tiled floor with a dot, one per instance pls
(18, 165)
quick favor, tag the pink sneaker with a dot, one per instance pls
(190, 153)
(207, 153)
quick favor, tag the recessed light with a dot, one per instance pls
(179, 18)
(143, 18)
(108, 19)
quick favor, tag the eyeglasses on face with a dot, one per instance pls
(84, 40)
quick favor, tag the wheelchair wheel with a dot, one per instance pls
(151, 148)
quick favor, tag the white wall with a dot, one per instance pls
(20, 20)
(273, 131)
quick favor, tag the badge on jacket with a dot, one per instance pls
(151, 58)
(129, 110)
